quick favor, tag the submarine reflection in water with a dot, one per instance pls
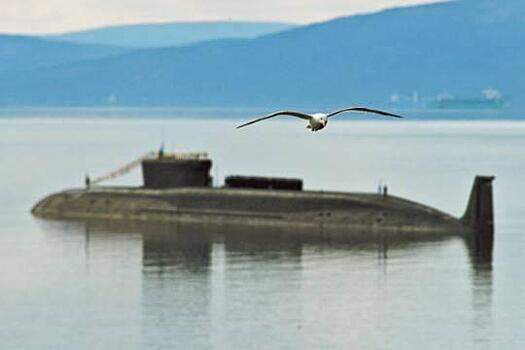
(200, 279)
(190, 246)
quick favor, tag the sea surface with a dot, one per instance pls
(108, 285)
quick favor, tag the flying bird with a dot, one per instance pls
(318, 121)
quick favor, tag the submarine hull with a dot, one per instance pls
(305, 209)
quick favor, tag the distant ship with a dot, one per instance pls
(492, 99)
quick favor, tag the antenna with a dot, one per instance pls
(380, 187)
(161, 150)
(162, 142)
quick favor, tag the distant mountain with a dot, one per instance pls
(172, 34)
(461, 46)
(25, 52)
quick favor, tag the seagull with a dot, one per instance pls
(318, 121)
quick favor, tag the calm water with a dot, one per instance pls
(67, 285)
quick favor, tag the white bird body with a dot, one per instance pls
(318, 121)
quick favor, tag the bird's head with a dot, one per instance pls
(321, 117)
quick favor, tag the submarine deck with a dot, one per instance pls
(337, 210)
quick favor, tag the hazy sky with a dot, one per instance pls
(44, 16)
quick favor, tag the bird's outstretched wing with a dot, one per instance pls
(291, 113)
(365, 110)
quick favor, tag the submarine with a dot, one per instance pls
(177, 187)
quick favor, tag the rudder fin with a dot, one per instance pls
(480, 209)
(479, 215)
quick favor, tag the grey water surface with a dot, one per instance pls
(115, 285)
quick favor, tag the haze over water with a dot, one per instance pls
(70, 285)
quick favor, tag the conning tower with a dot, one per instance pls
(173, 170)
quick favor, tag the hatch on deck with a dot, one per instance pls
(267, 183)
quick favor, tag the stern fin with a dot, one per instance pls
(479, 214)
(480, 211)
